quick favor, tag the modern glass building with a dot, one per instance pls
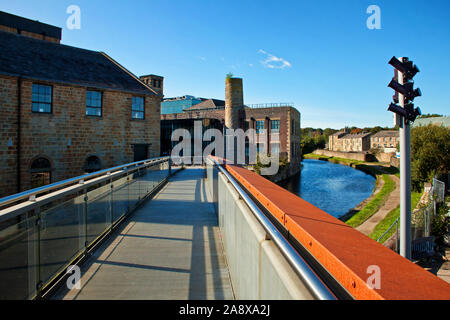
(178, 104)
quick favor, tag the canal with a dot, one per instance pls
(334, 188)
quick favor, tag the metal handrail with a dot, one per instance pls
(395, 222)
(313, 282)
(270, 105)
(33, 192)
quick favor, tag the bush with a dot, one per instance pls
(440, 224)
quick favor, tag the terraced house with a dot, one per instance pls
(65, 111)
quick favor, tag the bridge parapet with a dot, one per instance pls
(350, 264)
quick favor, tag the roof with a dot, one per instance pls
(445, 121)
(338, 133)
(356, 135)
(386, 133)
(53, 62)
(13, 21)
(207, 104)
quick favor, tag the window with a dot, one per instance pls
(41, 100)
(93, 103)
(246, 125)
(275, 126)
(259, 126)
(156, 83)
(274, 148)
(137, 107)
(40, 172)
(92, 164)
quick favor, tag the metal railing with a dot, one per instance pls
(45, 230)
(395, 224)
(421, 217)
(269, 105)
(309, 277)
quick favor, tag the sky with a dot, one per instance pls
(319, 55)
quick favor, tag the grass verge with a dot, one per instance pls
(390, 219)
(373, 206)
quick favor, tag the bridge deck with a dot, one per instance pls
(170, 248)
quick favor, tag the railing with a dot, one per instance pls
(45, 230)
(318, 289)
(395, 224)
(421, 220)
(346, 261)
(270, 105)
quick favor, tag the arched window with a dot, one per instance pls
(40, 172)
(92, 164)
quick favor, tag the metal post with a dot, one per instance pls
(405, 180)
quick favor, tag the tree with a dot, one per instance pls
(430, 153)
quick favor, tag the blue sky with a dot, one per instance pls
(324, 58)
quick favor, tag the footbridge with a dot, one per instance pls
(150, 230)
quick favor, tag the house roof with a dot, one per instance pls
(53, 62)
(356, 135)
(338, 133)
(207, 104)
(21, 23)
(386, 133)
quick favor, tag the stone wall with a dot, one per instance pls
(66, 137)
(361, 156)
(385, 157)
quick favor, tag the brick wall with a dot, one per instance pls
(29, 34)
(109, 137)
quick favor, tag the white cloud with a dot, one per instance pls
(274, 62)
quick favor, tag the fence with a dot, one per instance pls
(421, 220)
(45, 230)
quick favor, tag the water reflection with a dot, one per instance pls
(331, 187)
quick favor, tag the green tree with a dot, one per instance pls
(430, 153)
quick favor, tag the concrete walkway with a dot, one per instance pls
(170, 248)
(391, 203)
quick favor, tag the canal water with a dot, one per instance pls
(334, 188)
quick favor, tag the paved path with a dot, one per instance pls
(391, 203)
(170, 248)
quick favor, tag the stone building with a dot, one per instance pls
(346, 142)
(386, 140)
(282, 122)
(65, 111)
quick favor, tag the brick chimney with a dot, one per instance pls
(153, 81)
(234, 103)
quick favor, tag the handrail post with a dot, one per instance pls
(85, 214)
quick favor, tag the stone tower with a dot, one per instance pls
(234, 103)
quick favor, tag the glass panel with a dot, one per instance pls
(133, 195)
(98, 210)
(93, 111)
(120, 197)
(61, 234)
(17, 258)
